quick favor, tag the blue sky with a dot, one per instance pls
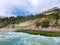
(26, 7)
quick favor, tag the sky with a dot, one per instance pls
(25, 7)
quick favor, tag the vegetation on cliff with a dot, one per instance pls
(18, 19)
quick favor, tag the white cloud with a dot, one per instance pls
(32, 6)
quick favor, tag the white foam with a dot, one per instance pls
(13, 38)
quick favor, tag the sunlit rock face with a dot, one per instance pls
(13, 38)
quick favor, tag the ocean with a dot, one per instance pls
(19, 38)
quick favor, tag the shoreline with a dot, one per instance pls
(43, 29)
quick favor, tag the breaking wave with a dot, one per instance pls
(19, 38)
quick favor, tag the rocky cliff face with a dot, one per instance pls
(50, 11)
(45, 21)
(37, 23)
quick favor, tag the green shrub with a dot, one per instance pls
(45, 24)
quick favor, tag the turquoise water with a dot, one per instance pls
(13, 38)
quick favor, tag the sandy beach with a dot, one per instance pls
(43, 29)
(7, 29)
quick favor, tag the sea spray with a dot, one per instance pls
(19, 38)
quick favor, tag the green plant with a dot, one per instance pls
(45, 24)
